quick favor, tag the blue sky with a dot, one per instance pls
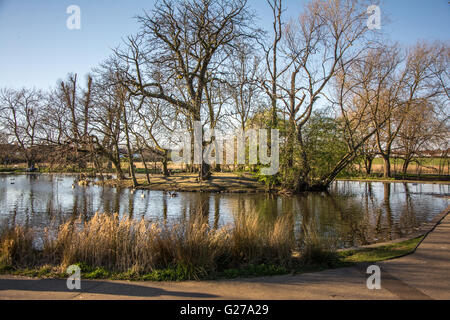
(36, 48)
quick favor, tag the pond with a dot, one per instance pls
(350, 214)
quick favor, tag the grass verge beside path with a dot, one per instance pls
(381, 253)
(345, 258)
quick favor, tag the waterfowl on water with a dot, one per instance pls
(173, 194)
(84, 183)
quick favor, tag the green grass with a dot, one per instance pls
(381, 253)
(15, 170)
(397, 177)
(175, 274)
(423, 161)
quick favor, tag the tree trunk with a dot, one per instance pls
(205, 171)
(116, 162)
(290, 145)
(132, 173)
(387, 166)
(406, 166)
(30, 164)
(164, 164)
(118, 169)
(147, 175)
(129, 151)
(368, 161)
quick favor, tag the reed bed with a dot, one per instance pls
(140, 246)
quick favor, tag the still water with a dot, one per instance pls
(350, 214)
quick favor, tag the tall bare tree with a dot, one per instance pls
(327, 36)
(20, 114)
(271, 54)
(180, 45)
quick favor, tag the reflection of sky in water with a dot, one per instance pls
(351, 213)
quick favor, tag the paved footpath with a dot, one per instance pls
(422, 275)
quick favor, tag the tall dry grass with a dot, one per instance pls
(316, 249)
(16, 247)
(139, 246)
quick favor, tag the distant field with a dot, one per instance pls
(425, 166)
(422, 161)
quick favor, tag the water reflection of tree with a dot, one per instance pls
(131, 199)
(117, 196)
(184, 211)
(203, 205)
(198, 205)
(342, 219)
(407, 220)
(388, 208)
(217, 198)
(165, 206)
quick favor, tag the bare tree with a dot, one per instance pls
(424, 128)
(243, 85)
(154, 128)
(410, 84)
(326, 37)
(271, 54)
(21, 113)
(107, 118)
(67, 122)
(180, 44)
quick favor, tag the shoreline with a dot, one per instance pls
(420, 275)
(219, 183)
(231, 183)
(349, 257)
(394, 181)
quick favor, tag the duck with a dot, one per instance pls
(143, 195)
(73, 186)
(173, 194)
(84, 183)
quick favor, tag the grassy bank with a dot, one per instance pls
(107, 247)
(398, 178)
(380, 253)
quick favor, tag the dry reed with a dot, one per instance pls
(139, 246)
